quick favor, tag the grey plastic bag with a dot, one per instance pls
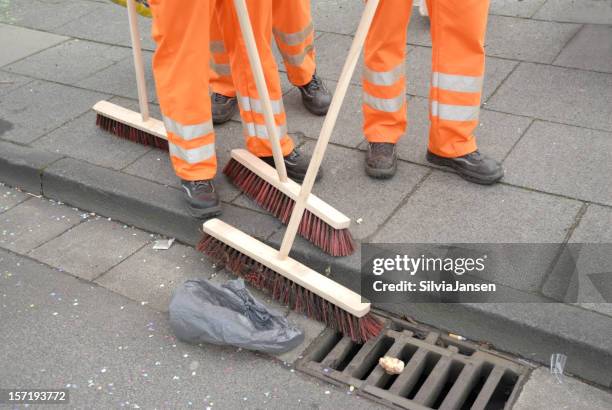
(201, 311)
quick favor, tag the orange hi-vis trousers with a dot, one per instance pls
(181, 30)
(458, 59)
(294, 34)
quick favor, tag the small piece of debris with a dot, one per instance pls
(359, 221)
(457, 337)
(163, 244)
(392, 365)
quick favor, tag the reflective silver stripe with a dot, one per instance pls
(254, 104)
(258, 130)
(193, 155)
(188, 132)
(461, 83)
(221, 69)
(455, 112)
(384, 104)
(293, 39)
(217, 46)
(384, 77)
(297, 59)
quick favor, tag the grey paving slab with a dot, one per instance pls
(332, 50)
(107, 23)
(569, 96)
(10, 82)
(579, 11)
(595, 227)
(18, 42)
(543, 392)
(21, 166)
(9, 197)
(591, 49)
(119, 79)
(33, 223)
(346, 187)
(516, 8)
(447, 209)
(41, 107)
(566, 160)
(152, 275)
(419, 29)
(418, 72)
(528, 40)
(336, 16)
(69, 62)
(91, 248)
(496, 134)
(349, 128)
(82, 139)
(45, 14)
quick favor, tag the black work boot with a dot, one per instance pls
(296, 164)
(202, 198)
(381, 160)
(223, 108)
(315, 96)
(474, 167)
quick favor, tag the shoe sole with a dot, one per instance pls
(379, 173)
(467, 175)
(316, 111)
(204, 213)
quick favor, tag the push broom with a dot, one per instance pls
(139, 127)
(285, 279)
(322, 224)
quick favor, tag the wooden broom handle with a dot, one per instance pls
(143, 99)
(328, 126)
(262, 88)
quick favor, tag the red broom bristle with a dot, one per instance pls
(336, 242)
(290, 293)
(124, 131)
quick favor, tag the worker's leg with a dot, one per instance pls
(384, 80)
(458, 62)
(221, 74)
(250, 105)
(223, 97)
(384, 87)
(294, 34)
(458, 59)
(181, 70)
(180, 67)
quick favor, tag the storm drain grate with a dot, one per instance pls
(440, 372)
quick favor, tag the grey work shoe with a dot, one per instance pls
(381, 160)
(474, 167)
(223, 108)
(315, 96)
(296, 164)
(202, 198)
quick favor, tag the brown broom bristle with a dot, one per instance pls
(130, 133)
(336, 242)
(290, 293)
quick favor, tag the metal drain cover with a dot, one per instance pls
(440, 372)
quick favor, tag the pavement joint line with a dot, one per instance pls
(400, 204)
(98, 276)
(42, 171)
(538, 9)
(568, 235)
(36, 52)
(531, 122)
(2, 211)
(59, 203)
(502, 82)
(569, 40)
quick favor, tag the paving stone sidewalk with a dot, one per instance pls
(546, 114)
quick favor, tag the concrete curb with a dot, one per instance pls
(583, 335)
